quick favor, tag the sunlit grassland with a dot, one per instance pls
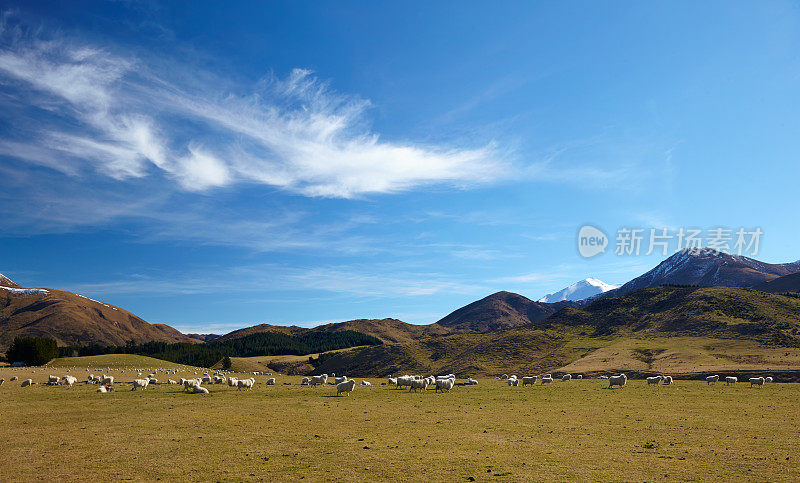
(573, 430)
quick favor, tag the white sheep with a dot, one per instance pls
(233, 382)
(471, 382)
(140, 383)
(271, 381)
(768, 379)
(579, 376)
(445, 384)
(418, 384)
(731, 380)
(13, 378)
(366, 383)
(546, 379)
(101, 389)
(340, 379)
(757, 381)
(666, 380)
(512, 381)
(603, 377)
(345, 387)
(566, 377)
(619, 380)
(199, 390)
(712, 379)
(404, 381)
(504, 376)
(317, 380)
(245, 383)
(528, 380)
(69, 380)
(52, 379)
(171, 381)
(153, 380)
(27, 382)
(305, 381)
(654, 380)
(107, 380)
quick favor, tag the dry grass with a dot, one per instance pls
(681, 355)
(575, 430)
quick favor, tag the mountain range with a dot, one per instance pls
(637, 305)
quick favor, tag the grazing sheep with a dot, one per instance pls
(271, 381)
(321, 379)
(365, 383)
(757, 381)
(619, 380)
(140, 383)
(101, 389)
(654, 380)
(528, 380)
(404, 381)
(199, 390)
(13, 378)
(2, 381)
(107, 380)
(445, 384)
(768, 379)
(667, 380)
(233, 382)
(603, 377)
(472, 382)
(69, 380)
(418, 384)
(566, 377)
(504, 376)
(206, 378)
(346, 387)
(712, 379)
(340, 379)
(392, 381)
(547, 379)
(579, 376)
(171, 381)
(27, 382)
(245, 383)
(512, 381)
(52, 379)
(305, 381)
(153, 380)
(189, 384)
(731, 380)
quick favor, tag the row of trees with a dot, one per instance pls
(261, 344)
(33, 351)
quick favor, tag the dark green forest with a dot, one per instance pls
(206, 355)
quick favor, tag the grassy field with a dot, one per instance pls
(574, 430)
(116, 361)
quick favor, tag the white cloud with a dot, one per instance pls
(120, 116)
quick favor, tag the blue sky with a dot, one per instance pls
(214, 165)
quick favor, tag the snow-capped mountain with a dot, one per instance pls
(707, 268)
(579, 291)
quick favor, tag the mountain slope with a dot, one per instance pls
(388, 330)
(709, 315)
(73, 320)
(706, 268)
(787, 283)
(580, 290)
(501, 310)
(7, 282)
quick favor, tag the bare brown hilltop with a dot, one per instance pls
(72, 319)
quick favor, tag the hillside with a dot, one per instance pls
(7, 282)
(260, 328)
(501, 310)
(388, 330)
(73, 319)
(710, 314)
(706, 268)
(787, 283)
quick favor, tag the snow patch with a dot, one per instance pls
(579, 290)
(26, 291)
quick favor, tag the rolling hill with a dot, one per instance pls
(72, 319)
(787, 283)
(708, 315)
(501, 310)
(707, 268)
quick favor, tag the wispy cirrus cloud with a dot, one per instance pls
(119, 115)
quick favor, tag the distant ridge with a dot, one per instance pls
(501, 310)
(706, 267)
(580, 290)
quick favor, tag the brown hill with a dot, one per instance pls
(257, 329)
(501, 310)
(706, 268)
(73, 320)
(388, 330)
(708, 315)
(787, 283)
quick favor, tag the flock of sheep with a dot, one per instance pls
(342, 383)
